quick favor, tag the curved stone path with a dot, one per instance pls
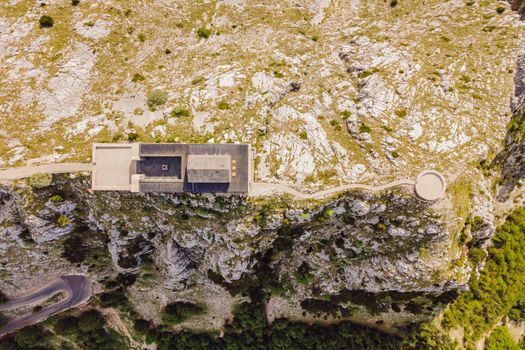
(77, 289)
(259, 189)
(429, 185)
(52, 168)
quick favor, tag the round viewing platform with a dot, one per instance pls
(430, 185)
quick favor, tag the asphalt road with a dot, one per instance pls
(77, 289)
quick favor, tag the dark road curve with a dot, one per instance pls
(77, 289)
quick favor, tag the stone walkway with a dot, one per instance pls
(260, 189)
(429, 184)
(53, 168)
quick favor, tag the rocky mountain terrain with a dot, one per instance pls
(327, 92)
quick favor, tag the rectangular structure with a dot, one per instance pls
(170, 167)
(112, 167)
(209, 168)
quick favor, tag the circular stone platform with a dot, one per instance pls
(430, 185)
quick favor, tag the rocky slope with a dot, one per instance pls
(327, 92)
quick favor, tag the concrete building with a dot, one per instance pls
(141, 167)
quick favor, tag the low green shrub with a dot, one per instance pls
(56, 198)
(41, 180)
(157, 98)
(364, 129)
(46, 21)
(137, 77)
(223, 105)
(180, 111)
(203, 32)
(63, 221)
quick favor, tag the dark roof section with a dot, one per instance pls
(209, 168)
(239, 167)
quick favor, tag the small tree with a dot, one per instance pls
(46, 21)
(180, 311)
(67, 325)
(90, 321)
(3, 297)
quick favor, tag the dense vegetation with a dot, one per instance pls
(500, 286)
(500, 339)
(249, 330)
(88, 331)
(180, 311)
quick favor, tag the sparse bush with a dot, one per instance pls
(56, 198)
(364, 129)
(393, 3)
(75, 2)
(46, 21)
(142, 37)
(137, 77)
(180, 111)
(41, 180)
(500, 9)
(401, 113)
(203, 33)
(223, 105)
(197, 80)
(157, 98)
(63, 221)
(303, 135)
(133, 136)
(180, 311)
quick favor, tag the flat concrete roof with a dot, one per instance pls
(112, 167)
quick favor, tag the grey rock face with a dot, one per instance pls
(512, 158)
